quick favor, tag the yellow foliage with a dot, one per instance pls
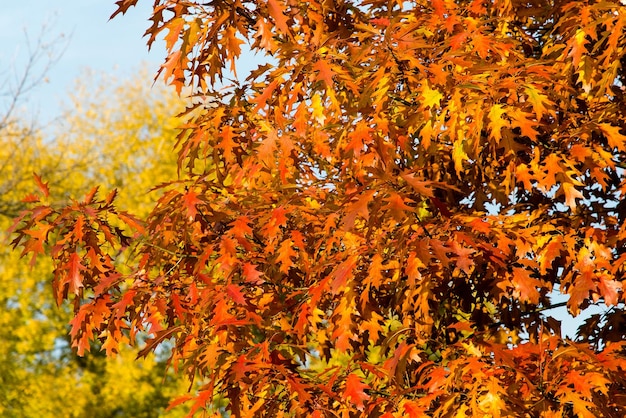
(119, 137)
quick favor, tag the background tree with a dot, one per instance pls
(373, 222)
(114, 133)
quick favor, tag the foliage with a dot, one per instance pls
(114, 135)
(373, 222)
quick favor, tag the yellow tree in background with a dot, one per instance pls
(118, 136)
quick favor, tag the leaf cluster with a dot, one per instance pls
(373, 221)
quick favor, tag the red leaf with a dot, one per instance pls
(74, 268)
(355, 391)
(343, 272)
(251, 274)
(30, 198)
(240, 368)
(381, 21)
(234, 292)
(43, 187)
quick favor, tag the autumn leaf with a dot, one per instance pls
(325, 72)
(609, 289)
(234, 292)
(496, 121)
(318, 109)
(43, 187)
(571, 194)
(422, 187)
(458, 156)
(123, 6)
(537, 100)
(358, 208)
(343, 273)
(286, 253)
(614, 137)
(430, 97)
(355, 391)
(463, 260)
(190, 202)
(577, 46)
(525, 285)
(251, 274)
(74, 279)
(481, 44)
(276, 11)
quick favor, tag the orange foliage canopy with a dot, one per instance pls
(373, 221)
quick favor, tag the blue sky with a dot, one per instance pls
(92, 41)
(115, 47)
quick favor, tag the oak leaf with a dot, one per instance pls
(355, 391)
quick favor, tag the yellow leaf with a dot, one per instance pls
(318, 109)
(426, 135)
(472, 350)
(458, 156)
(496, 122)
(537, 100)
(430, 97)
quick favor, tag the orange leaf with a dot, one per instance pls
(325, 73)
(241, 227)
(355, 391)
(613, 136)
(422, 187)
(609, 290)
(525, 286)
(180, 400)
(358, 208)
(276, 11)
(571, 194)
(74, 268)
(251, 274)
(481, 44)
(285, 255)
(577, 46)
(131, 221)
(343, 272)
(190, 200)
(234, 292)
(43, 187)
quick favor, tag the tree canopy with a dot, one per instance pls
(374, 220)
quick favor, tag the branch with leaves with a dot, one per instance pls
(372, 221)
